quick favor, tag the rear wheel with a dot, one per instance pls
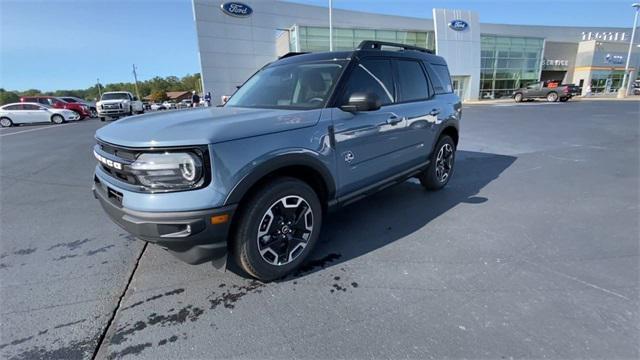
(277, 229)
(518, 97)
(440, 169)
(6, 122)
(102, 118)
(57, 119)
(552, 97)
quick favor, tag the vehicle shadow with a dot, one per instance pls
(394, 213)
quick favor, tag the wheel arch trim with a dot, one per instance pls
(277, 163)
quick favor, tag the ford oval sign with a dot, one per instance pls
(458, 25)
(236, 9)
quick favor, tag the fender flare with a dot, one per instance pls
(279, 162)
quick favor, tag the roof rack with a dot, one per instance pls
(377, 45)
(290, 54)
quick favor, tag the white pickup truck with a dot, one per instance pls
(116, 104)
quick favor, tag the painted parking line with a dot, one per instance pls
(36, 129)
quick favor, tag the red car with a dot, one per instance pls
(82, 110)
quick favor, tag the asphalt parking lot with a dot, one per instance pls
(532, 251)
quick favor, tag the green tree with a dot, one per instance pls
(159, 96)
(8, 97)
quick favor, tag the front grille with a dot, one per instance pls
(111, 106)
(120, 155)
(119, 152)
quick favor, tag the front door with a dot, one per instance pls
(34, 113)
(368, 144)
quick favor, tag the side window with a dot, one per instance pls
(441, 79)
(371, 75)
(30, 107)
(412, 83)
(43, 101)
(13, 107)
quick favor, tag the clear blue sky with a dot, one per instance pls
(67, 44)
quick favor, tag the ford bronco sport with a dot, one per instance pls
(252, 180)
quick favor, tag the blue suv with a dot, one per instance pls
(253, 179)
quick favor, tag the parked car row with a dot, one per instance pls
(33, 112)
(82, 109)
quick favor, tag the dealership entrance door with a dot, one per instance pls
(460, 86)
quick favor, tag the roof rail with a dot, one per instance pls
(290, 54)
(377, 45)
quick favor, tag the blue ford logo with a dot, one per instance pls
(458, 25)
(236, 9)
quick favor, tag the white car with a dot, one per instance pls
(29, 113)
(169, 104)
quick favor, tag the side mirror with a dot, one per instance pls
(225, 98)
(135, 98)
(362, 102)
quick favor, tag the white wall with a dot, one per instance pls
(461, 49)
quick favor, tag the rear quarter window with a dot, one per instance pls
(440, 78)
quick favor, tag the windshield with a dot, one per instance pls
(115, 96)
(292, 86)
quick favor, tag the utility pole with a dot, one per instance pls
(626, 79)
(99, 91)
(330, 25)
(135, 77)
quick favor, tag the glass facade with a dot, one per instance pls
(606, 82)
(312, 38)
(508, 63)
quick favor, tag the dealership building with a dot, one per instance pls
(486, 61)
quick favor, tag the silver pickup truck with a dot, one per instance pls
(117, 104)
(551, 91)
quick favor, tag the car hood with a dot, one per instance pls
(203, 126)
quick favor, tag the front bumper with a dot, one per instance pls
(188, 235)
(112, 113)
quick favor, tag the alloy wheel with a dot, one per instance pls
(444, 162)
(285, 230)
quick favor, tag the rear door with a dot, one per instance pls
(418, 108)
(369, 143)
(16, 114)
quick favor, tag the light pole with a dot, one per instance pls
(626, 81)
(330, 25)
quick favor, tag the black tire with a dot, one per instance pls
(431, 178)
(102, 118)
(564, 99)
(6, 122)
(57, 119)
(130, 110)
(518, 97)
(261, 212)
(552, 96)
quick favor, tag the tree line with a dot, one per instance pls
(157, 87)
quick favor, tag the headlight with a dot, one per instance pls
(169, 170)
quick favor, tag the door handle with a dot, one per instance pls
(434, 112)
(393, 119)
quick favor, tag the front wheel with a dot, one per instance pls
(440, 168)
(57, 119)
(518, 97)
(277, 229)
(552, 97)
